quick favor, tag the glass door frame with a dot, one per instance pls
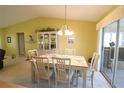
(115, 55)
(102, 58)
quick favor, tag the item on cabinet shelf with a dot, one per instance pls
(52, 29)
(43, 29)
(57, 29)
(47, 29)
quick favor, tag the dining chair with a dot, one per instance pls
(63, 73)
(69, 51)
(42, 69)
(55, 51)
(92, 67)
(32, 53)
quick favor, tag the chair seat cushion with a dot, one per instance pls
(46, 75)
(65, 78)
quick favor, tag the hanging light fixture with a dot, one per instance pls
(65, 29)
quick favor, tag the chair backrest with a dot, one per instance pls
(94, 61)
(32, 53)
(55, 51)
(60, 67)
(41, 65)
(69, 51)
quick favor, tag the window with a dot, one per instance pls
(121, 39)
(109, 37)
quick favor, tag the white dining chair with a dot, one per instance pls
(32, 53)
(63, 74)
(92, 67)
(69, 51)
(42, 69)
(55, 51)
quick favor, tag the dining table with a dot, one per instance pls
(77, 63)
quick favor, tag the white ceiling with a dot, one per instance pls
(13, 14)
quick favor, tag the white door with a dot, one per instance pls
(21, 44)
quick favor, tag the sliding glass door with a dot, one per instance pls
(108, 50)
(119, 65)
(112, 66)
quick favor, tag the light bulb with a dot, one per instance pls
(71, 33)
(67, 32)
(60, 32)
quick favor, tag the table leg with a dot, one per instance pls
(33, 74)
(84, 78)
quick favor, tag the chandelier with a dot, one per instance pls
(65, 28)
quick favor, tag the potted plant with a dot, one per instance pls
(13, 56)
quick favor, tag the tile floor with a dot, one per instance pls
(18, 71)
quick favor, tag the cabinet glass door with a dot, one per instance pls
(53, 41)
(46, 41)
(40, 41)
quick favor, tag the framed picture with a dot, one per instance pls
(71, 39)
(8, 39)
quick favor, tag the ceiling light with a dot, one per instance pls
(65, 29)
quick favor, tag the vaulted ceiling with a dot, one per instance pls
(12, 14)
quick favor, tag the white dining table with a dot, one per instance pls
(77, 63)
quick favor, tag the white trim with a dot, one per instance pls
(99, 47)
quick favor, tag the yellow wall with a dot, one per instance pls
(0, 38)
(85, 35)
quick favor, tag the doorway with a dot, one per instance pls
(21, 44)
(108, 50)
(112, 66)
